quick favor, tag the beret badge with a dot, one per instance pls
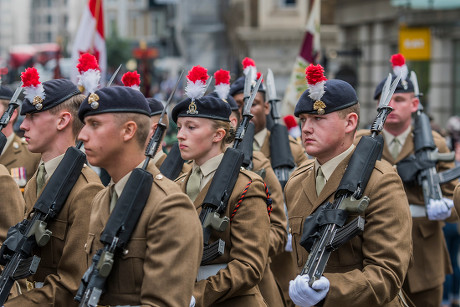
(33, 88)
(316, 79)
(93, 100)
(319, 106)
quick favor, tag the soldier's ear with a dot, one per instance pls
(63, 120)
(129, 130)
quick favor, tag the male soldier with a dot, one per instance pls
(156, 108)
(49, 131)
(260, 109)
(160, 263)
(278, 235)
(369, 269)
(282, 263)
(15, 155)
(425, 277)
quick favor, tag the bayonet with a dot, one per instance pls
(113, 76)
(12, 105)
(271, 89)
(248, 105)
(248, 83)
(384, 109)
(171, 97)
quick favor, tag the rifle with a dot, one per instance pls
(5, 119)
(281, 155)
(325, 230)
(212, 215)
(16, 253)
(420, 168)
(172, 165)
(122, 222)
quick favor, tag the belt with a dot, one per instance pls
(206, 271)
(417, 211)
(34, 285)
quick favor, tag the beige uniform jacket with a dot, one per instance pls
(185, 168)
(298, 152)
(63, 258)
(246, 246)
(12, 206)
(369, 269)
(431, 258)
(160, 263)
(278, 232)
(17, 155)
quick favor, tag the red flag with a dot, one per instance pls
(308, 54)
(90, 38)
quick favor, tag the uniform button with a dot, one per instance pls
(159, 176)
(125, 252)
(86, 245)
(16, 145)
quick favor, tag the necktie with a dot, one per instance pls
(193, 184)
(396, 148)
(320, 181)
(41, 178)
(113, 199)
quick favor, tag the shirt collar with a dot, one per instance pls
(390, 137)
(51, 165)
(211, 165)
(329, 167)
(260, 136)
(120, 185)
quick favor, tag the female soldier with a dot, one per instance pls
(203, 132)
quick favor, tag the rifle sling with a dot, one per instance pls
(280, 150)
(128, 208)
(173, 163)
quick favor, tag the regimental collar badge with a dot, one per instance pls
(93, 100)
(38, 103)
(319, 106)
(192, 108)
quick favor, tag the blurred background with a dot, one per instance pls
(352, 39)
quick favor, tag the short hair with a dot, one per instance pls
(352, 109)
(72, 105)
(143, 125)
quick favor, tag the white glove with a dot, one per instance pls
(439, 209)
(305, 296)
(192, 302)
(288, 247)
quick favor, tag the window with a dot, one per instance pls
(456, 100)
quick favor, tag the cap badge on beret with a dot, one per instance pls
(319, 106)
(33, 88)
(93, 99)
(316, 79)
(196, 86)
(400, 68)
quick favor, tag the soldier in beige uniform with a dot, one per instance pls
(161, 260)
(12, 205)
(230, 279)
(15, 155)
(50, 128)
(424, 281)
(369, 269)
(283, 261)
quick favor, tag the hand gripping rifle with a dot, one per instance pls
(122, 222)
(212, 215)
(16, 253)
(5, 119)
(325, 230)
(281, 155)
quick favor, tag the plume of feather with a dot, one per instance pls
(399, 65)
(33, 88)
(131, 79)
(89, 73)
(248, 62)
(315, 79)
(222, 83)
(196, 82)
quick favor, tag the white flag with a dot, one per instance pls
(90, 38)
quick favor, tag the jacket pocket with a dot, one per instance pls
(295, 228)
